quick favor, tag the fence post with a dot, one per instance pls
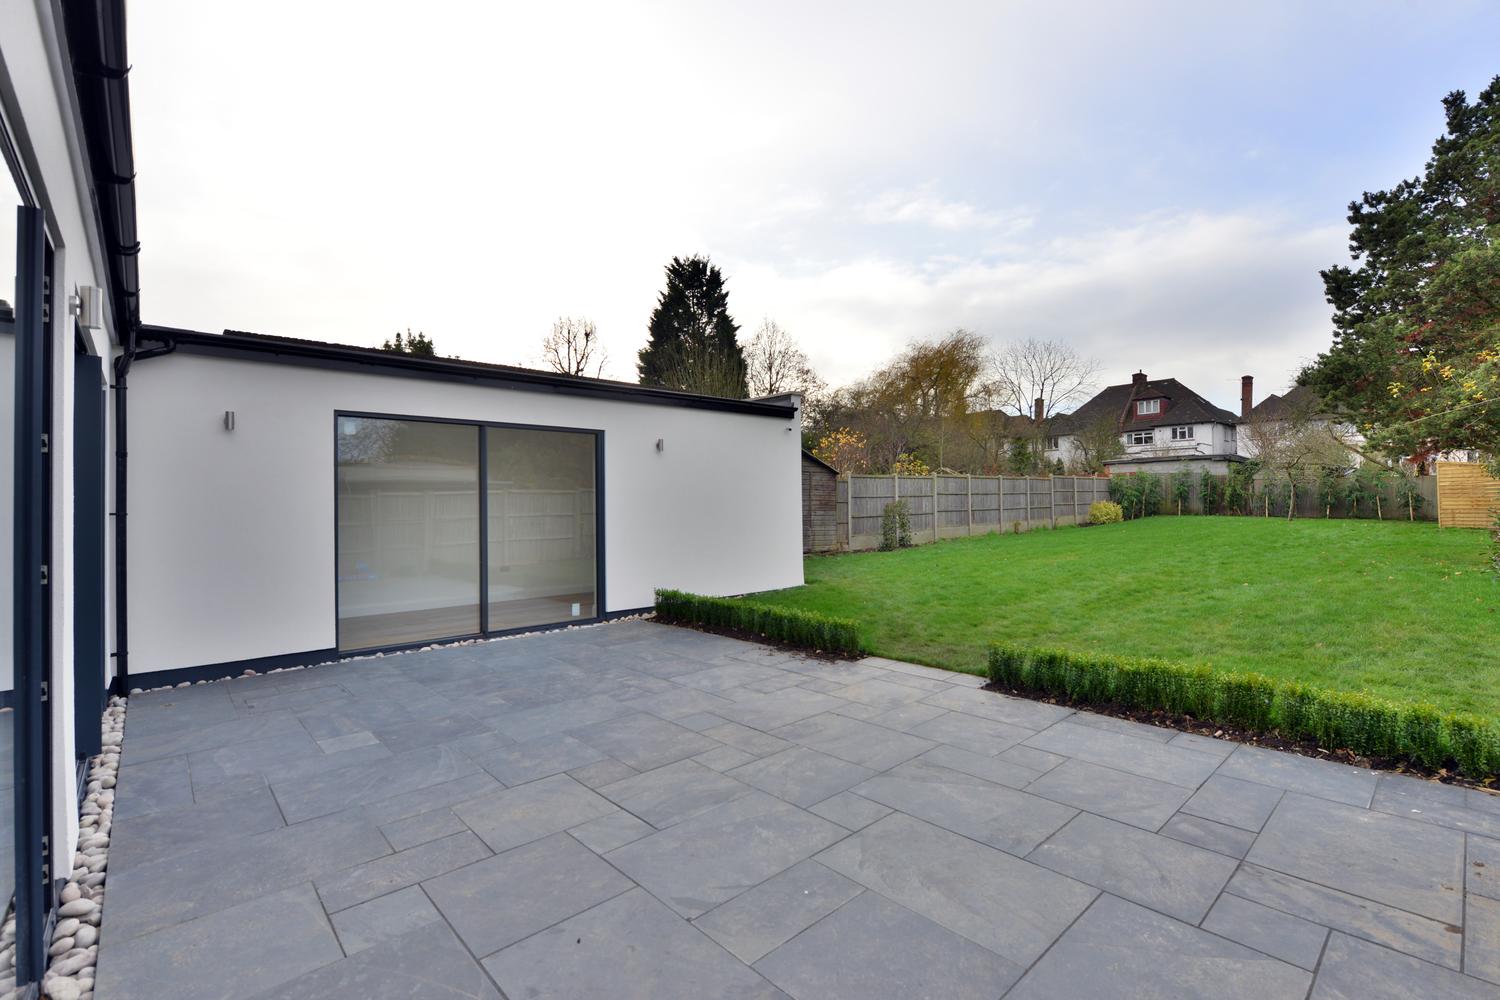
(1052, 499)
(969, 489)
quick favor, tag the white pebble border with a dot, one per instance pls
(424, 649)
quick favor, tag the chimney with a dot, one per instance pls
(1247, 395)
(1039, 409)
(1138, 380)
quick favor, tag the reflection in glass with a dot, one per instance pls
(10, 198)
(408, 523)
(541, 526)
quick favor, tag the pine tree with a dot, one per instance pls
(692, 343)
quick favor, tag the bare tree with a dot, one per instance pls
(1095, 443)
(775, 364)
(573, 348)
(1023, 372)
(1291, 444)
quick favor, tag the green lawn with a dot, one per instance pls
(1398, 610)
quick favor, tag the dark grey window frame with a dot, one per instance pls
(483, 426)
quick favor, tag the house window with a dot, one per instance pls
(1146, 407)
(1141, 437)
(1182, 433)
(1052, 443)
(1229, 435)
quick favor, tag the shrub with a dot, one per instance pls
(1105, 512)
(1409, 495)
(807, 629)
(1334, 719)
(895, 526)
(1208, 492)
(1182, 488)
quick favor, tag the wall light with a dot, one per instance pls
(229, 420)
(661, 444)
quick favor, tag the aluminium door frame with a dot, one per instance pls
(600, 613)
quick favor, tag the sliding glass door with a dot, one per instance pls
(424, 553)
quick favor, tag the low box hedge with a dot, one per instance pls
(1335, 719)
(807, 629)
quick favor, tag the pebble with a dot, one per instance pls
(69, 893)
(60, 987)
(78, 907)
(60, 946)
(87, 935)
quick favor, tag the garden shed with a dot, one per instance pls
(820, 527)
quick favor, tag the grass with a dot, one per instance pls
(1395, 610)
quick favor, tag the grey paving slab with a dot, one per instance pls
(151, 836)
(1030, 758)
(1358, 970)
(413, 735)
(334, 744)
(1482, 938)
(713, 857)
(1431, 940)
(188, 739)
(1204, 744)
(903, 718)
(1280, 935)
(1012, 907)
(601, 772)
(756, 922)
(344, 889)
(674, 793)
(1034, 715)
(874, 949)
(1430, 802)
(969, 732)
(724, 758)
(182, 887)
(1409, 865)
(629, 948)
(850, 811)
(426, 962)
(617, 829)
(1234, 802)
(878, 693)
(1119, 949)
(190, 961)
(1147, 758)
(1170, 877)
(532, 811)
(1483, 875)
(995, 769)
(643, 741)
(857, 742)
(678, 703)
(724, 677)
(422, 828)
(1322, 778)
(801, 776)
(383, 918)
(993, 814)
(751, 741)
(332, 791)
(1125, 727)
(542, 757)
(422, 800)
(1205, 833)
(1129, 798)
(529, 723)
(781, 708)
(152, 787)
(540, 883)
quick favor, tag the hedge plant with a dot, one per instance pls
(807, 629)
(1105, 512)
(1338, 719)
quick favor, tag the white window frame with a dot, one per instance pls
(1147, 407)
(1182, 432)
(1053, 443)
(1131, 437)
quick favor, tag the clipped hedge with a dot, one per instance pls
(807, 629)
(1254, 702)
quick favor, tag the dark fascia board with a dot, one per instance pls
(1148, 459)
(371, 361)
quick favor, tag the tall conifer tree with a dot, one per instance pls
(692, 343)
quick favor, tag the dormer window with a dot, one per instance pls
(1147, 407)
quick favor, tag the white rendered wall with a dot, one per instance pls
(232, 533)
(38, 111)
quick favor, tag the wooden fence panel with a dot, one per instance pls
(1467, 496)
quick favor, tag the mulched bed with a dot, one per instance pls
(1271, 741)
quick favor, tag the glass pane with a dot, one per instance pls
(408, 520)
(541, 527)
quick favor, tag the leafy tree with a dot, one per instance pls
(573, 348)
(1023, 461)
(692, 343)
(1057, 467)
(1409, 495)
(1416, 346)
(1208, 492)
(1331, 488)
(909, 465)
(416, 344)
(845, 450)
(1239, 486)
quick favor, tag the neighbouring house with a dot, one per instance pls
(1162, 426)
(820, 498)
(1300, 408)
(259, 501)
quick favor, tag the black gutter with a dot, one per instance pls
(376, 362)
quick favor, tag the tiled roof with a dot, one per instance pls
(1181, 405)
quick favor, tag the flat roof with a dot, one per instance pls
(374, 361)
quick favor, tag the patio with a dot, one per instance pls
(634, 810)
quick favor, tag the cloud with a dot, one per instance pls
(925, 208)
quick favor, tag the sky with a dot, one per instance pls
(1153, 184)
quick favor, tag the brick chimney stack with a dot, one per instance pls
(1247, 395)
(1138, 380)
(1039, 409)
